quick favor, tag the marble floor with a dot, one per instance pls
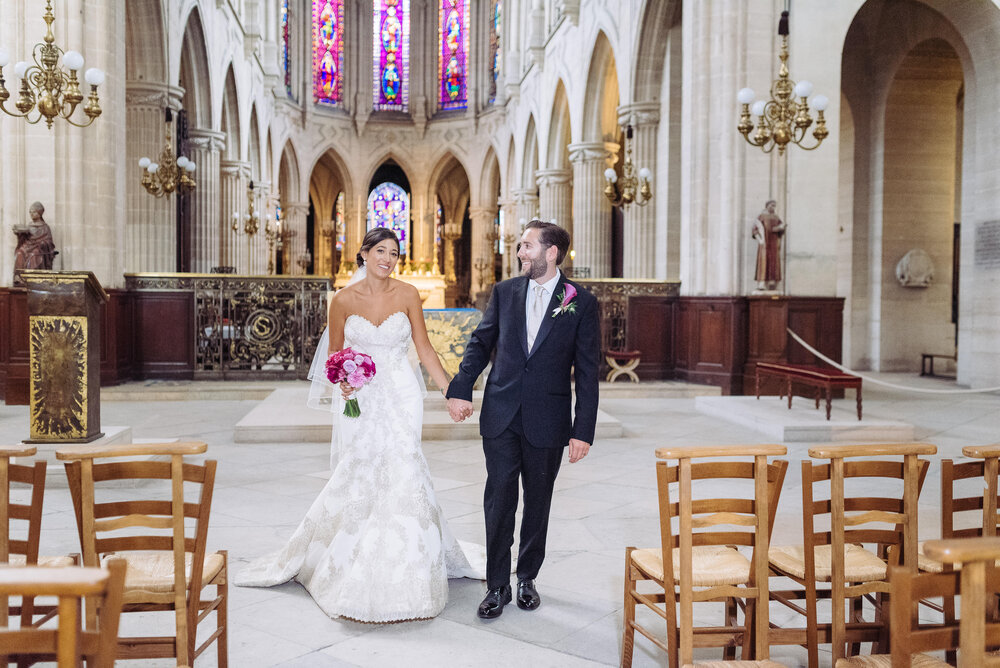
(601, 505)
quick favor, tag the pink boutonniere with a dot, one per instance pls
(566, 303)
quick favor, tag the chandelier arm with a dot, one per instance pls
(15, 114)
(79, 125)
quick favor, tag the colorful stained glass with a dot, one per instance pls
(496, 25)
(328, 51)
(389, 206)
(453, 52)
(286, 63)
(391, 49)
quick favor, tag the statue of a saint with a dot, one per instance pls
(768, 231)
(35, 248)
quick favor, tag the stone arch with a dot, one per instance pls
(229, 121)
(659, 17)
(194, 75)
(451, 186)
(328, 178)
(560, 130)
(600, 120)
(489, 181)
(288, 174)
(529, 164)
(145, 42)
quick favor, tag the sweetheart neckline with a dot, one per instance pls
(384, 320)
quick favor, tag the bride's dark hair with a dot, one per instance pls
(375, 236)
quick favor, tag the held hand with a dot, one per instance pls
(346, 390)
(577, 450)
(459, 409)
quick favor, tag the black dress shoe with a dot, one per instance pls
(492, 605)
(527, 595)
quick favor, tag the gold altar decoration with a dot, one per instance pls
(631, 187)
(52, 90)
(64, 336)
(169, 174)
(449, 331)
(781, 120)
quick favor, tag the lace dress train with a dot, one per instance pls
(374, 546)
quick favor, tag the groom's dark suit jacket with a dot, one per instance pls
(537, 382)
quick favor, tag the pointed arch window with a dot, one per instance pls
(496, 32)
(389, 206)
(453, 53)
(286, 39)
(328, 51)
(391, 49)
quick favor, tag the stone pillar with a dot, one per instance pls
(555, 195)
(355, 223)
(640, 249)
(234, 178)
(527, 207)
(591, 209)
(206, 235)
(483, 250)
(510, 232)
(295, 220)
(258, 242)
(150, 222)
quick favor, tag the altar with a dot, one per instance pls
(429, 283)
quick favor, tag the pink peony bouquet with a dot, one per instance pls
(356, 368)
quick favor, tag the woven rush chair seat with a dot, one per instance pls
(766, 663)
(43, 562)
(713, 565)
(149, 576)
(860, 565)
(885, 661)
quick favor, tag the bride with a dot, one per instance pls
(374, 546)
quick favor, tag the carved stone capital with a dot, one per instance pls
(150, 95)
(234, 168)
(593, 151)
(479, 213)
(639, 114)
(525, 196)
(553, 177)
(295, 210)
(206, 140)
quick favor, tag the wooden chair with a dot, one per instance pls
(21, 526)
(167, 569)
(69, 642)
(837, 555)
(721, 573)
(979, 581)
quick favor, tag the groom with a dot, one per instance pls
(543, 330)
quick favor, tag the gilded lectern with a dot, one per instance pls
(64, 332)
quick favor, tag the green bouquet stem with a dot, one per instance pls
(351, 408)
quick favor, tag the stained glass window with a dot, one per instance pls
(339, 220)
(496, 25)
(389, 206)
(328, 51)
(286, 62)
(391, 49)
(453, 51)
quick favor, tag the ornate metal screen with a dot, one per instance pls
(249, 326)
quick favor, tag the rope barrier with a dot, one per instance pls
(876, 381)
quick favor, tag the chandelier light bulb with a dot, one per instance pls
(182, 161)
(4, 57)
(645, 174)
(145, 162)
(745, 96)
(189, 167)
(94, 76)
(803, 89)
(758, 108)
(73, 60)
(610, 175)
(153, 167)
(820, 102)
(20, 68)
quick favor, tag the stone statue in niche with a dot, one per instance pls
(915, 269)
(35, 247)
(768, 230)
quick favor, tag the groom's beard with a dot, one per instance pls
(536, 268)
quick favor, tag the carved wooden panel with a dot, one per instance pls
(163, 335)
(652, 330)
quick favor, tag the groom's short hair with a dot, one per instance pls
(550, 234)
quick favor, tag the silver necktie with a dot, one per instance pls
(535, 315)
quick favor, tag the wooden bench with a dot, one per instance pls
(813, 376)
(927, 363)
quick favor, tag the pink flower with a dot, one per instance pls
(568, 294)
(350, 366)
(357, 379)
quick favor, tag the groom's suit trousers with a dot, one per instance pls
(511, 461)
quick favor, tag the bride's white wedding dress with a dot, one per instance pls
(375, 545)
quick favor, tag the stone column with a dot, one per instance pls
(482, 248)
(234, 177)
(258, 243)
(295, 219)
(150, 222)
(206, 226)
(555, 196)
(527, 207)
(591, 209)
(510, 232)
(640, 249)
(354, 223)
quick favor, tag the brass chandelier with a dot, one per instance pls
(47, 88)
(169, 174)
(781, 120)
(251, 221)
(630, 187)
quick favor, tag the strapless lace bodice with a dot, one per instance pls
(388, 341)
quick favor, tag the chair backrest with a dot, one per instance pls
(702, 522)
(894, 515)
(979, 584)
(69, 641)
(955, 501)
(20, 523)
(907, 635)
(990, 454)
